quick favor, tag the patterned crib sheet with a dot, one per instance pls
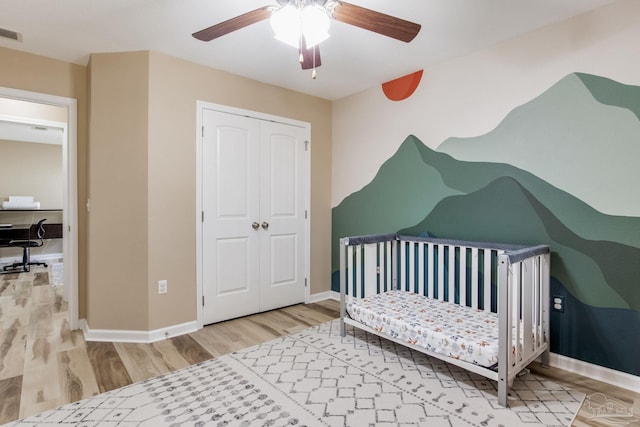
(441, 327)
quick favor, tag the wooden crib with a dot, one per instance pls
(470, 281)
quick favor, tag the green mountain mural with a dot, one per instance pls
(594, 255)
(400, 193)
(504, 211)
(610, 92)
(570, 139)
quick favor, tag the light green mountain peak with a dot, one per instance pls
(569, 139)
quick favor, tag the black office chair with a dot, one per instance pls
(26, 246)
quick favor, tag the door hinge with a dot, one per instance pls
(306, 146)
(203, 131)
(203, 300)
(202, 219)
(306, 214)
(305, 282)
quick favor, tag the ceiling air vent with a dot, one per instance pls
(10, 34)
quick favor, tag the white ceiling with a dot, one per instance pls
(352, 59)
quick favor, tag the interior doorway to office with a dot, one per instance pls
(69, 190)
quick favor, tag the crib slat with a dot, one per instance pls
(474, 277)
(452, 274)
(441, 272)
(487, 280)
(358, 267)
(430, 262)
(421, 268)
(463, 275)
(536, 302)
(517, 313)
(382, 267)
(412, 267)
(370, 269)
(403, 266)
(527, 303)
(545, 269)
(389, 267)
(350, 267)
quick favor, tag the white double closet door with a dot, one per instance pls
(254, 196)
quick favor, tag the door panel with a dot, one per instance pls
(283, 201)
(282, 150)
(254, 231)
(232, 178)
(232, 271)
(283, 266)
(230, 246)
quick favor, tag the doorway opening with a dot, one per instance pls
(66, 125)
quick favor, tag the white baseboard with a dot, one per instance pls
(114, 335)
(324, 296)
(600, 373)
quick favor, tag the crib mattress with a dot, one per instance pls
(441, 327)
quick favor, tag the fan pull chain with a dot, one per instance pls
(300, 47)
(314, 74)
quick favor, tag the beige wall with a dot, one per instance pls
(117, 191)
(175, 86)
(156, 176)
(142, 186)
(32, 169)
(35, 73)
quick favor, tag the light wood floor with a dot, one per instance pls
(43, 365)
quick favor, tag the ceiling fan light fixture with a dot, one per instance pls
(285, 23)
(315, 24)
(291, 21)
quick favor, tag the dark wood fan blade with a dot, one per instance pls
(377, 22)
(233, 24)
(308, 56)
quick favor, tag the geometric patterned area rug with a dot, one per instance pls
(317, 378)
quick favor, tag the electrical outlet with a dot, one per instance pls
(558, 303)
(162, 286)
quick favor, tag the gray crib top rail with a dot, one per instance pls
(514, 252)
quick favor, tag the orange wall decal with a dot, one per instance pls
(402, 87)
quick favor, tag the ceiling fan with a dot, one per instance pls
(305, 23)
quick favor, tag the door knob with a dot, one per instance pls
(265, 225)
(255, 225)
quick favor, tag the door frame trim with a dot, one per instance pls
(204, 105)
(69, 191)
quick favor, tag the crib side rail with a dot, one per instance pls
(523, 311)
(367, 266)
(460, 272)
(511, 280)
